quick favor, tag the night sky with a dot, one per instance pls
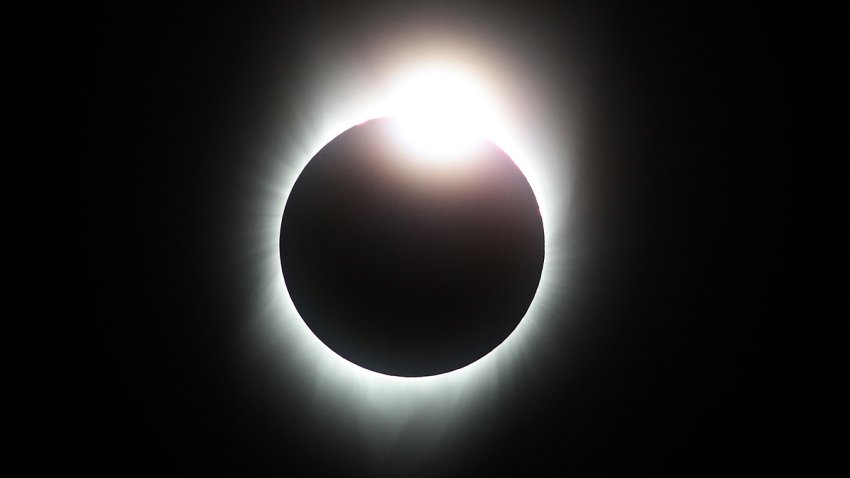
(680, 343)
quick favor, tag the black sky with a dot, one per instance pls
(690, 350)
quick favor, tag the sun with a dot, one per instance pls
(441, 109)
(443, 105)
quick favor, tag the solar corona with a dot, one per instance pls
(406, 242)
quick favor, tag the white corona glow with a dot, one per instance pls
(440, 101)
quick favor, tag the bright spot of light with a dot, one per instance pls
(442, 112)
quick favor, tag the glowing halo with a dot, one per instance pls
(380, 406)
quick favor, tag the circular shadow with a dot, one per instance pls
(405, 265)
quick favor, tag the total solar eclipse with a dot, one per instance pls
(411, 261)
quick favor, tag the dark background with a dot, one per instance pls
(695, 348)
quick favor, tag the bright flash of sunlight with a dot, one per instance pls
(441, 111)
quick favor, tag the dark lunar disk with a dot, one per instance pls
(407, 266)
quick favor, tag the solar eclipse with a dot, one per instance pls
(445, 102)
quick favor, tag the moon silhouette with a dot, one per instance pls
(405, 265)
